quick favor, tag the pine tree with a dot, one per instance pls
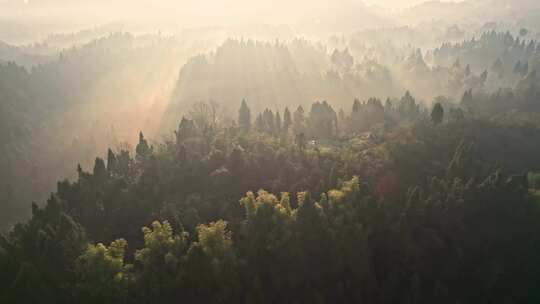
(259, 123)
(143, 149)
(186, 130)
(357, 106)
(287, 120)
(244, 116)
(299, 119)
(437, 114)
(111, 161)
(269, 121)
(100, 172)
(278, 123)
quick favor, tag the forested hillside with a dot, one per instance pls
(347, 151)
(67, 110)
(424, 207)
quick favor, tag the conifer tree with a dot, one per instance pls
(100, 172)
(437, 114)
(244, 116)
(299, 119)
(111, 161)
(143, 149)
(278, 123)
(287, 119)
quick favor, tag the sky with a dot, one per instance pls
(201, 12)
(383, 3)
(398, 3)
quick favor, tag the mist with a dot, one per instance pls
(235, 151)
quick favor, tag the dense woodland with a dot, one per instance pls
(389, 164)
(58, 113)
(412, 205)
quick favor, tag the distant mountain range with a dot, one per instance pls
(471, 11)
(341, 16)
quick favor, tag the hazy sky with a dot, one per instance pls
(385, 3)
(399, 3)
(203, 12)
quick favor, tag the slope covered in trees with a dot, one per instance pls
(67, 109)
(410, 206)
(305, 71)
(241, 164)
(64, 111)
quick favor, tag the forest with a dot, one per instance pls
(330, 162)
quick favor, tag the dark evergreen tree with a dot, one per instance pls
(100, 171)
(299, 120)
(278, 123)
(143, 149)
(437, 114)
(186, 130)
(111, 161)
(287, 119)
(244, 116)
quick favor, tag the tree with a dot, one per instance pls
(204, 115)
(498, 68)
(236, 161)
(287, 119)
(159, 261)
(100, 172)
(259, 123)
(322, 120)
(269, 121)
(244, 116)
(278, 123)
(215, 239)
(143, 149)
(111, 161)
(41, 256)
(186, 130)
(342, 59)
(408, 106)
(102, 275)
(437, 114)
(300, 141)
(299, 120)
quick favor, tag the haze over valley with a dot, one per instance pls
(401, 134)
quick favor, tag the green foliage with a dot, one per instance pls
(214, 238)
(102, 275)
(157, 264)
(40, 256)
(392, 210)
